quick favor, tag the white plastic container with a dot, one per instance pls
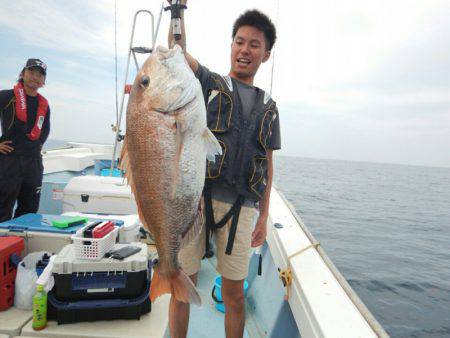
(93, 248)
(99, 194)
(128, 232)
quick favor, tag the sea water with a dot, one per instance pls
(387, 229)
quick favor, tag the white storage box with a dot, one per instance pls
(128, 232)
(99, 194)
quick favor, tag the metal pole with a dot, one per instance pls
(119, 122)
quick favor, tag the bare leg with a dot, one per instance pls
(233, 297)
(179, 315)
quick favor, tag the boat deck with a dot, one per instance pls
(205, 321)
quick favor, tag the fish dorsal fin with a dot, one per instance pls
(125, 166)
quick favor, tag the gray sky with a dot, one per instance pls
(354, 79)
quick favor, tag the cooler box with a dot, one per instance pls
(128, 232)
(95, 310)
(77, 279)
(39, 234)
(9, 246)
(99, 194)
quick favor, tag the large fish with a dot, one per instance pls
(166, 147)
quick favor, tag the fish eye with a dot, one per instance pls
(145, 81)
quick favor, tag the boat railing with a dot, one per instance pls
(365, 312)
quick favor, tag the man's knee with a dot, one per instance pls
(233, 293)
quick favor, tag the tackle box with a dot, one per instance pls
(95, 310)
(39, 234)
(10, 249)
(99, 194)
(108, 278)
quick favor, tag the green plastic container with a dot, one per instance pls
(39, 309)
(69, 221)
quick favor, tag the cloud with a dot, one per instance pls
(363, 80)
(314, 132)
(72, 28)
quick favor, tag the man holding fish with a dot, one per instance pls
(245, 121)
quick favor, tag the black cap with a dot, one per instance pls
(36, 63)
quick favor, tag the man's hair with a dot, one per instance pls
(260, 21)
(20, 79)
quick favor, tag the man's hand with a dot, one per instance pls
(260, 232)
(193, 63)
(5, 148)
(182, 2)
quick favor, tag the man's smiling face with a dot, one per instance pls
(248, 51)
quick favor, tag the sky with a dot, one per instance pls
(358, 80)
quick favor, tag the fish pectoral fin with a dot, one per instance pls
(212, 146)
(194, 229)
(213, 94)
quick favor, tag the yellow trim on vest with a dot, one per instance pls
(262, 127)
(219, 113)
(252, 186)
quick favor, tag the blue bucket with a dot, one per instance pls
(217, 293)
(106, 172)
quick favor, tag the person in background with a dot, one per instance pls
(25, 125)
(245, 121)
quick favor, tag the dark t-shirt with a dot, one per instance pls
(16, 131)
(247, 95)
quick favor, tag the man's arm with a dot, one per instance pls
(193, 63)
(45, 128)
(260, 232)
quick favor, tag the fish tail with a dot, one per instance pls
(179, 285)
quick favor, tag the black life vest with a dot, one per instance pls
(242, 167)
(244, 140)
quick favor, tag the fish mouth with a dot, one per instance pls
(175, 110)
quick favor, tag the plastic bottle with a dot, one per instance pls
(39, 308)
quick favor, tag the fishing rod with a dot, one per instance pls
(175, 11)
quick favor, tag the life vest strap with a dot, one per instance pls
(211, 224)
